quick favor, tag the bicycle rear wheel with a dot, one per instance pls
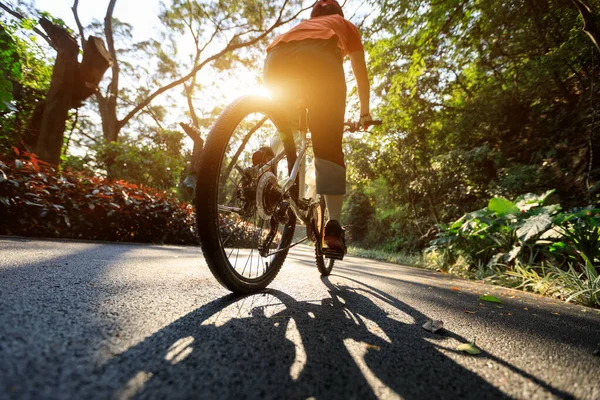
(243, 223)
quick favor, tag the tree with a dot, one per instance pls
(237, 24)
(480, 99)
(70, 85)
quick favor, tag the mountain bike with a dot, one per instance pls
(250, 194)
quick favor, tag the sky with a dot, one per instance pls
(142, 15)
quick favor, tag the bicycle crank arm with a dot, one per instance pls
(300, 213)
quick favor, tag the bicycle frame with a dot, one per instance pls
(299, 167)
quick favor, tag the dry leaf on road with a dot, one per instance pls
(433, 325)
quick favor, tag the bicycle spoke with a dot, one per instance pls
(242, 229)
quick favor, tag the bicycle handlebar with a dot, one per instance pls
(352, 126)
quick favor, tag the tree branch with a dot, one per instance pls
(228, 48)
(108, 32)
(78, 22)
(36, 30)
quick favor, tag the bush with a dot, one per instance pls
(37, 200)
(526, 242)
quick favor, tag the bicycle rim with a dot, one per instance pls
(238, 196)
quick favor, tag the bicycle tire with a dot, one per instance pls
(208, 194)
(325, 266)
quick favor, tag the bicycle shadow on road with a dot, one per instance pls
(270, 345)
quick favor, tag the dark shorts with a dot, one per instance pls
(312, 69)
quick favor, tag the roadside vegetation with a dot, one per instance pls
(528, 244)
(486, 165)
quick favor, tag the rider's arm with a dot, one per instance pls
(359, 68)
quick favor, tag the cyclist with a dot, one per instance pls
(307, 61)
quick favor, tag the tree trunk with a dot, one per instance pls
(110, 122)
(60, 95)
(71, 84)
(32, 131)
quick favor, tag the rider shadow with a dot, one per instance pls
(359, 343)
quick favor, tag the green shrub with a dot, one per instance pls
(37, 200)
(537, 247)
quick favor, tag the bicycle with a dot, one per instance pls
(250, 196)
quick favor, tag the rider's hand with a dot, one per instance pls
(364, 120)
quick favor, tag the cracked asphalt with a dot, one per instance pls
(85, 320)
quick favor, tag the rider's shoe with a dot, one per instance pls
(335, 237)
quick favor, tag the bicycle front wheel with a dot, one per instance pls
(243, 221)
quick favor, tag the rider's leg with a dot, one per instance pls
(326, 109)
(318, 66)
(334, 205)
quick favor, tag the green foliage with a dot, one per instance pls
(413, 260)
(550, 251)
(373, 220)
(25, 73)
(550, 280)
(481, 99)
(155, 161)
(36, 200)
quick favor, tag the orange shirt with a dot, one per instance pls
(324, 27)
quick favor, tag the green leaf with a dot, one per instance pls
(490, 298)
(502, 206)
(545, 196)
(533, 226)
(469, 348)
(557, 247)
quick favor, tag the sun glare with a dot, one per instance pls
(230, 88)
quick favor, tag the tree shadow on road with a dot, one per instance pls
(358, 343)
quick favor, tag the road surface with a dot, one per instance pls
(84, 320)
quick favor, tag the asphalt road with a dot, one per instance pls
(82, 320)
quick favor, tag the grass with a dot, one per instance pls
(413, 260)
(546, 280)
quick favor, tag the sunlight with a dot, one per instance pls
(245, 82)
(265, 306)
(293, 335)
(374, 328)
(179, 350)
(358, 350)
(133, 386)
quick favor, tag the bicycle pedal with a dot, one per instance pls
(334, 254)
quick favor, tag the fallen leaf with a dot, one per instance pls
(433, 325)
(372, 346)
(509, 314)
(555, 313)
(468, 348)
(491, 299)
(470, 312)
(455, 289)
(526, 309)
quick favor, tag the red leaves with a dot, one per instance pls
(36, 200)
